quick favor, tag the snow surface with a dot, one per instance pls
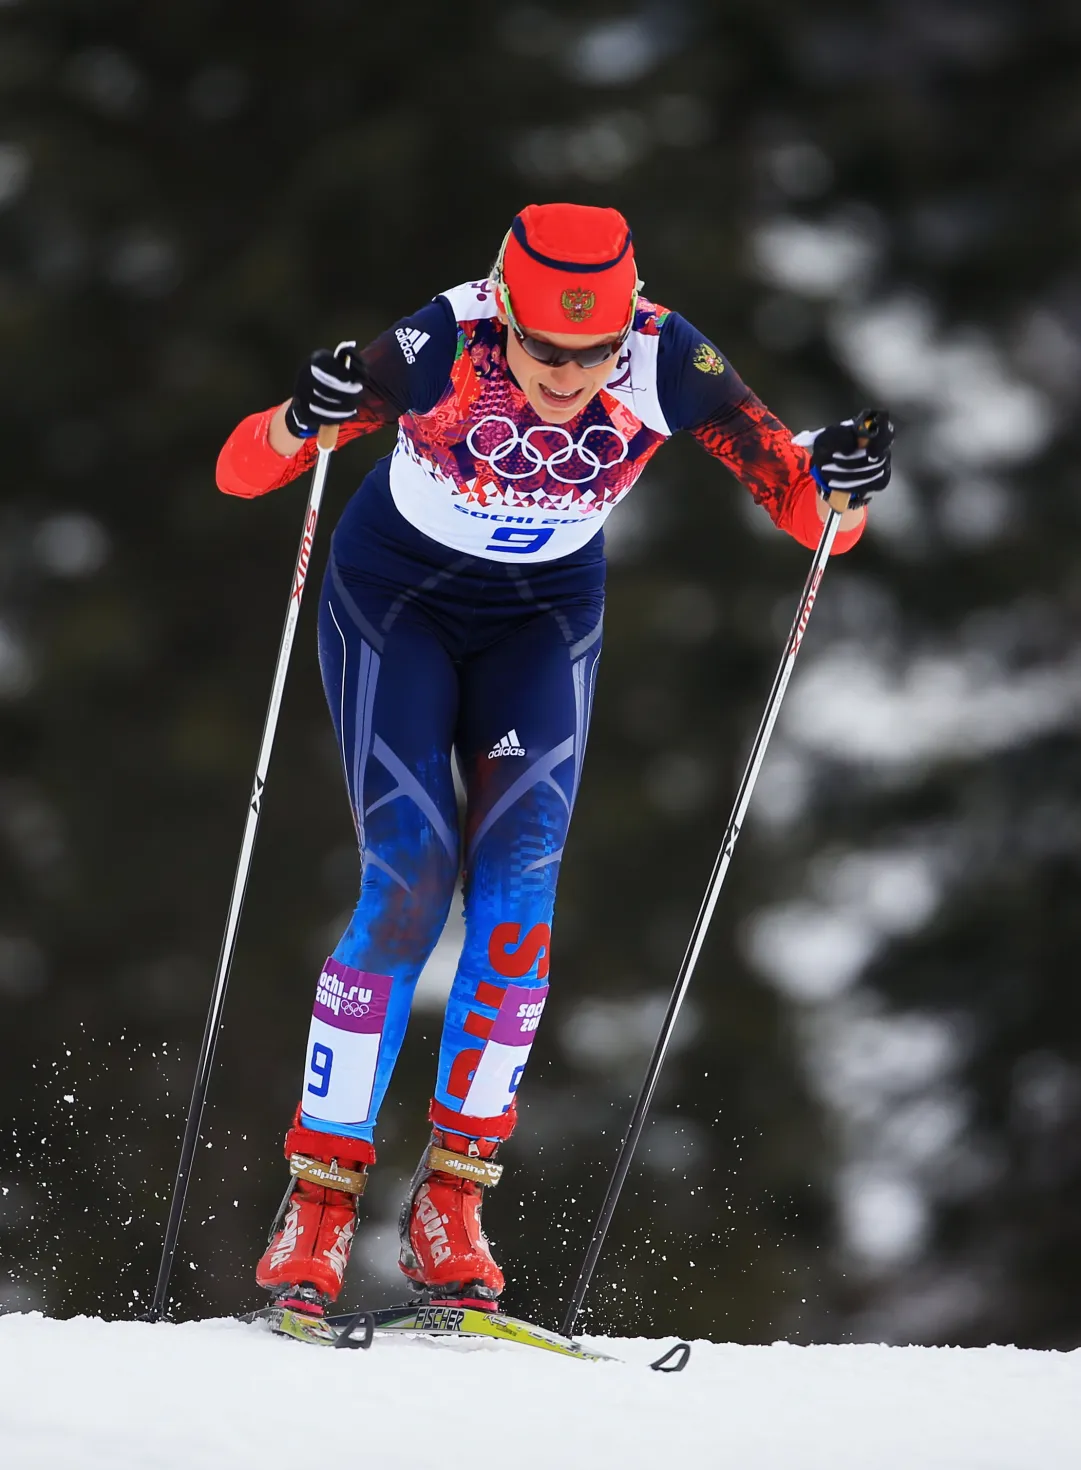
(107, 1396)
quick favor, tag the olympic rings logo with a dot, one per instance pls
(537, 461)
(354, 1008)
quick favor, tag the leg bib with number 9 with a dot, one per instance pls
(506, 1051)
(343, 1043)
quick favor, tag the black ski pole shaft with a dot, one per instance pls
(328, 437)
(838, 503)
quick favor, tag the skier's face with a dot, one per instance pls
(558, 393)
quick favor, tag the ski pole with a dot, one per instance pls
(838, 502)
(328, 437)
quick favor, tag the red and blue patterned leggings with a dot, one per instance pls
(424, 652)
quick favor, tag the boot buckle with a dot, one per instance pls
(330, 1176)
(462, 1166)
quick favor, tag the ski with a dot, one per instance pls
(454, 1319)
(300, 1326)
(432, 1319)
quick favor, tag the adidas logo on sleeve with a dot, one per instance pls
(411, 341)
(508, 745)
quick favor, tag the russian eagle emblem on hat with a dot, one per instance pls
(577, 305)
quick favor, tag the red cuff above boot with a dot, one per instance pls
(351, 1153)
(501, 1126)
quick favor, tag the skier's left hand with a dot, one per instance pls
(854, 456)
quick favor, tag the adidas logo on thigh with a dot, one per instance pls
(508, 745)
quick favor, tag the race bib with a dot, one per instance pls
(505, 1053)
(343, 1043)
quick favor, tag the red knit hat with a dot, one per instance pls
(569, 268)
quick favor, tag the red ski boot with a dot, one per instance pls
(443, 1246)
(310, 1239)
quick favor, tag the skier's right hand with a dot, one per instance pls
(854, 456)
(327, 391)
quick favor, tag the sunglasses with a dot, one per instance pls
(553, 356)
(547, 352)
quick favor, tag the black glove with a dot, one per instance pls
(327, 391)
(854, 456)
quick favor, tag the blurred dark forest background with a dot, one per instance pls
(871, 1124)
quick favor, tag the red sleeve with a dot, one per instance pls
(248, 466)
(759, 451)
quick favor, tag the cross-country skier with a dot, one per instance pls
(461, 612)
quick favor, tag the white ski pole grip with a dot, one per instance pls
(326, 440)
(709, 903)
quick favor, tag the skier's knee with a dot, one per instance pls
(404, 921)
